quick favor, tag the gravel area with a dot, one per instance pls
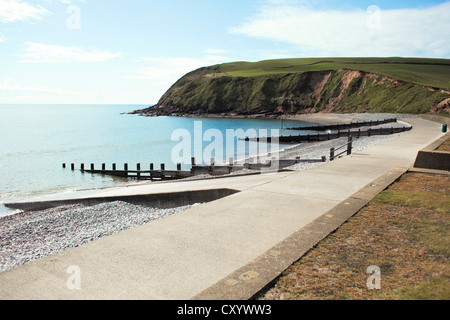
(372, 116)
(334, 118)
(318, 149)
(29, 236)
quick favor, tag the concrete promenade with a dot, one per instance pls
(225, 249)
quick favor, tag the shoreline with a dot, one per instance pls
(31, 235)
(317, 118)
(48, 237)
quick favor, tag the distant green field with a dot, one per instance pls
(427, 72)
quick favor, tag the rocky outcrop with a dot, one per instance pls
(443, 106)
(209, 92)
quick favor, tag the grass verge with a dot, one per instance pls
(404, 231)
(445, 146)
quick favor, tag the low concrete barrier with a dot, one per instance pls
(430, 158)
(160, 200)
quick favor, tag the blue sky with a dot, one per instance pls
(130, 52)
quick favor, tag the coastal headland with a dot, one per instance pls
(289, 87)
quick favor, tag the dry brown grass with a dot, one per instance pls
(408, 238)
(445, 146)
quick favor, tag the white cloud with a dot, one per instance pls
(163, 72)
(12, 91)
(64, 1)
(70, 1)
(401, 32)
(215, 51)
(39, 52)
(165, 69)
(171, 69)
(214, 59)
(16, 10)
(11, 85)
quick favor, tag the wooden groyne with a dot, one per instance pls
(344, 126)
(196, 170)
(330, 135)
(270, 164)
(138, 173)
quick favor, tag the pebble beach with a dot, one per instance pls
(28, 236)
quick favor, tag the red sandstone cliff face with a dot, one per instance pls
(203, 92)
(443, 106)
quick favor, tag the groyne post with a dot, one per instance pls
(163, 168)
(350, 145)
(332, 154)
(114, 167)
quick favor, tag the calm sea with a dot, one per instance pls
(36, 139)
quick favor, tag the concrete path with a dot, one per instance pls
(228, 248)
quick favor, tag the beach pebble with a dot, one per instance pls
(29, 236)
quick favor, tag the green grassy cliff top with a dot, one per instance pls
(422, 71)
